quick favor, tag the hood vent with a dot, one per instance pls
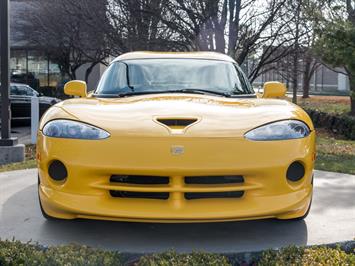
(177, 125)
(176, 122)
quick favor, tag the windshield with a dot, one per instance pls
(173, 75)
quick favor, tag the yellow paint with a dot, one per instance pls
(76, 88)
(188, 55)
(274, 89)
(138, 145)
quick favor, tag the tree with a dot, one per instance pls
(242, 29)
(257, 34)
(59, 28)
(310, 61)
(307, 65)
(301, 63)
(336, 40)
(137, 25)
(238, 28)
(310, 66)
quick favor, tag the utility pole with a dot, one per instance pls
(296, 52)
(5, 82)
(10, 151)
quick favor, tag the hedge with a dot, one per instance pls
(339, 124)
(308, 256)
(16, 253)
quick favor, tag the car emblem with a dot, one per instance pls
(177, 150)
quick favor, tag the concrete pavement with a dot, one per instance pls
(332, 219)
(23, 133)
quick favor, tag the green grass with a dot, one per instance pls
(331, 108)
(335, 163)
(335, 155)
(30, 162)
(328, 104)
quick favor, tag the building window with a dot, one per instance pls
(33, 67)
(38, 67)
(18, 66)
(55, 76)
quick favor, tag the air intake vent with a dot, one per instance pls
(177, 123)
(210, 180)
(216, 195)
(140, 195)
(140, 180)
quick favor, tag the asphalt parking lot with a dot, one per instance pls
(332, 219)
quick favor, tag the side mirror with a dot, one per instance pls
(274, 89)
(76, 88)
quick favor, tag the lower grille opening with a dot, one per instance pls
(209, 195)
(214, 179)
(140, 195)
(140, 179)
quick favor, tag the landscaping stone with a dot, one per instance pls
(12, 154)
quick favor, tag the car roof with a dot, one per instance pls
(174, 55)
(18, 84)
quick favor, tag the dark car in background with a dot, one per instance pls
(20, 98)
(26, 78)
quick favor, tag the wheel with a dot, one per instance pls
(44, 214)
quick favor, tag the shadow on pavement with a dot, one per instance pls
(21, 219)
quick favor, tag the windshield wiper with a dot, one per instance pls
(140, 93)
(201, 91)
(193, 91)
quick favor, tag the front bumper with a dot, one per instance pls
(90, 164)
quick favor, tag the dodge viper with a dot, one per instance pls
(175, 137)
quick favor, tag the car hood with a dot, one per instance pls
(212, 116)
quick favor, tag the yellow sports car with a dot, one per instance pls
(175, 137)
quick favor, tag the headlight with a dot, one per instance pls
(69, 129)
(281, 130)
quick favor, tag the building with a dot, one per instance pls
(32, 65)
(323, 81)
(29, 64)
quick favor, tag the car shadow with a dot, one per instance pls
(21, 218)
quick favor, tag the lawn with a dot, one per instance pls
(334, 154)
(30, 162)
(328, 104)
